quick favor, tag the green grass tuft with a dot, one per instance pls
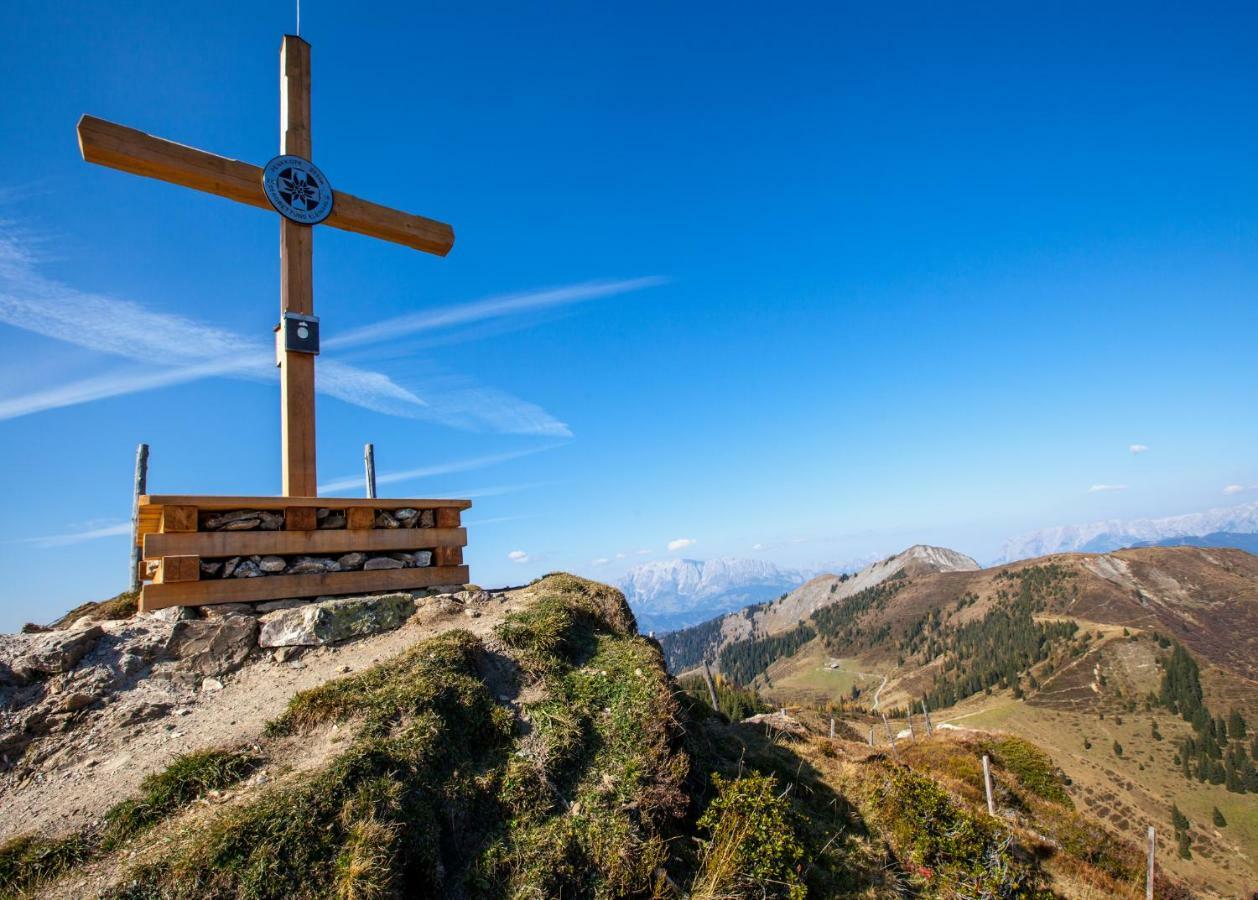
(190, 776)
(27, 861)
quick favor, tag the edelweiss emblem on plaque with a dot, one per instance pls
(297, 189)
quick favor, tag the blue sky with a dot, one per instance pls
(825, 279)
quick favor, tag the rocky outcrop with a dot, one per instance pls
(214, 646)
(329, 621)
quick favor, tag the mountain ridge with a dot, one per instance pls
(1106, 535)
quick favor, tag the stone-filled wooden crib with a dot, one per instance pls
(202, 550)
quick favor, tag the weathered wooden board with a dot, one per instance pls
(119, 147)
(279, 587)
(224, 502)
(211, 544)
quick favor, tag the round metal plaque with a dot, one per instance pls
(297, 189)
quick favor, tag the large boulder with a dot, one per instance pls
(329, 621)
(54, 652)
(214, 646)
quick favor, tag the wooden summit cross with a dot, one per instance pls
(201, 550)
(296, 189)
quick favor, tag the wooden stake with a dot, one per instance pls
(832, 728)
(871, 735)
(926, 715)
(369, 461)
(707, 679)
(1148, 878)
(912, 733)
(987, 785)
(297, 376)
(141, 487)
(890, 737)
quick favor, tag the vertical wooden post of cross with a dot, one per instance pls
(297, 377)
(1148, 878)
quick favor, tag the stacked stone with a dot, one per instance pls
(255, 566)
(329, 519)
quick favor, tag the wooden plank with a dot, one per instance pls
(300, 518)
(448, 517)
(179, 518)
(278, 587)
(360, 518)
(179, 569)
(211, 544)
(129, 150)
(225, 502)
(297, 424)
(448, 555)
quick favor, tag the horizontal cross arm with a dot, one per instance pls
(119, 147)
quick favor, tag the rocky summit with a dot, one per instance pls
(466, 743)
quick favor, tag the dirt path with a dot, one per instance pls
(102, 763)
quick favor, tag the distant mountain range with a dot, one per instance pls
(1233, 526)
(675, 593)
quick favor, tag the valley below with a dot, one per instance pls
(1126, 667)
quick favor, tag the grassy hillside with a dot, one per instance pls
(1133, 669)
(553, 756)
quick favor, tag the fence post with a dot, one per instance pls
(926, 714)
(832, 728)
(1148, 878)
(871, 735)
(707, 679)
(140, 487)
(987, 785)
(369, 462)
(909, 716)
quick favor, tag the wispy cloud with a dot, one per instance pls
(1137, 449)
(78, 537)
(1104, 488)
(600, 562)
(489, 308)
(518, 556)
(681, 543)
(1239, 488)
(175, 349)
(447, 468)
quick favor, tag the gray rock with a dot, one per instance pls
(272, 521)
(211, 684)
(311, 565)
(230, 566)
(273, 605)
(427, 518)
(271, 564)
(211, 569)
(472, 596)
(406, 559)
(422, 558)
(407, 518)
(333, 520)
(236, 520)
(247, 569)
(172, 614)
(220, 610)
(353, 560)
(381, 562)
(385, 519)
(329, 621)
(56, 651)
(213, 647)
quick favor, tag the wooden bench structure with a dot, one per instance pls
(170, 537)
